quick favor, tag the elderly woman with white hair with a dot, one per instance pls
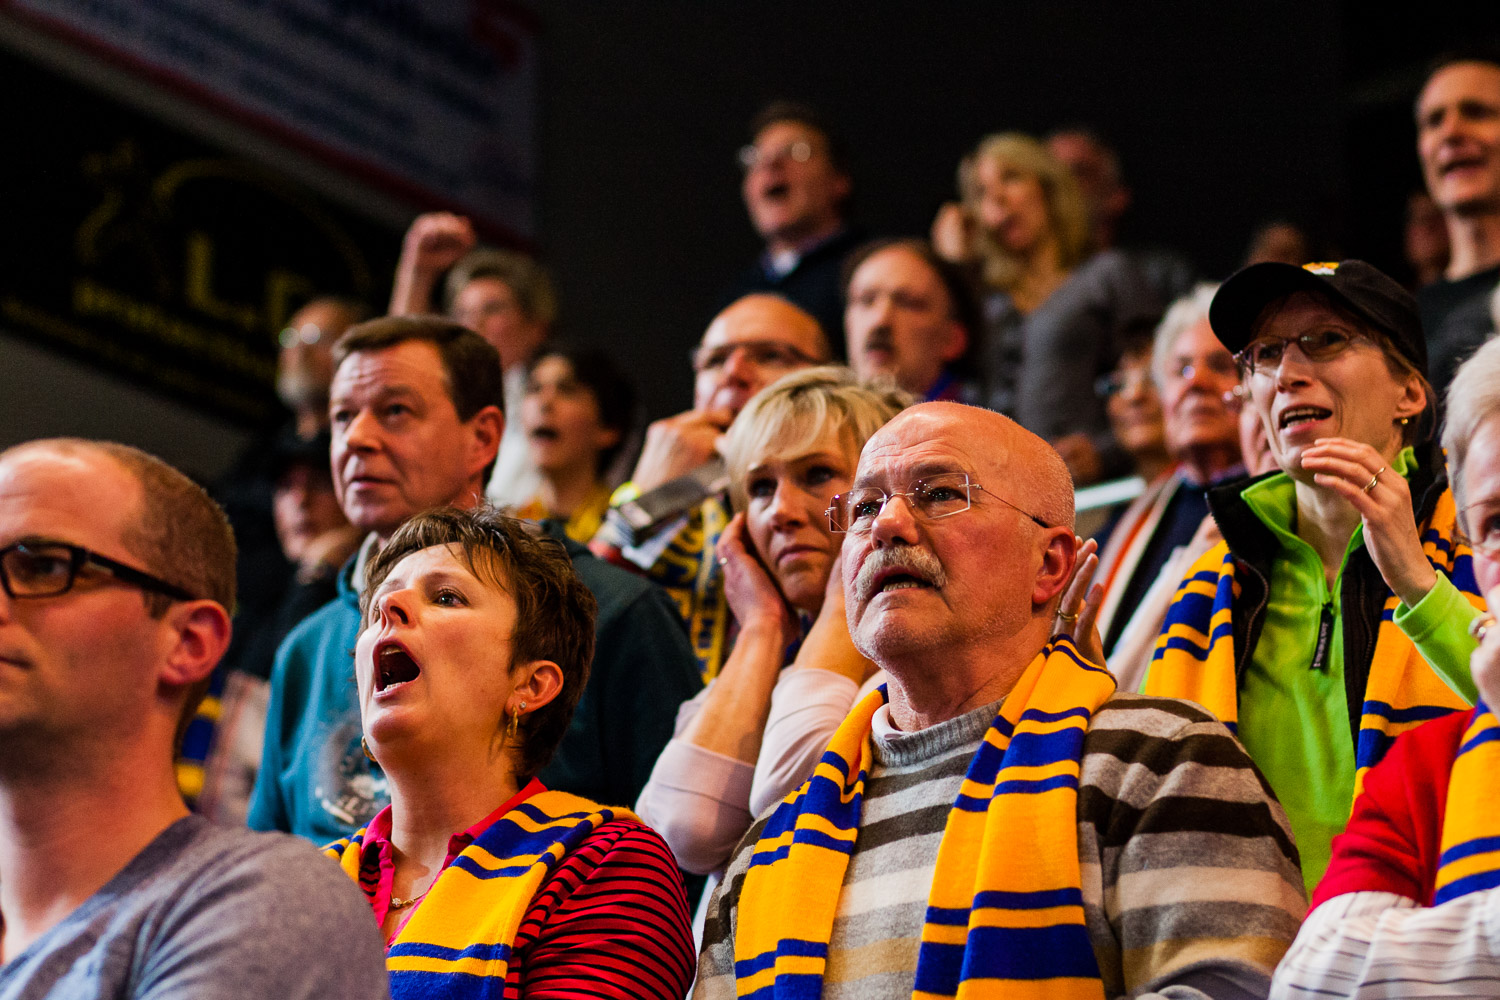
(1406, 907)
(1165, 529)
(757, 730)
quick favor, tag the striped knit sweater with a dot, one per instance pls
(1189, 873)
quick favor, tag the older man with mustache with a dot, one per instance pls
(997, 814)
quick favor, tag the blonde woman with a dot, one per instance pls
(756, 731)
(1053, 314)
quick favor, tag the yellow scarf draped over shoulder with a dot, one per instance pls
(1469, 858)
(1194, 657)
(1005, 915)
(458, 942)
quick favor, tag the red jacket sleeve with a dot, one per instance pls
(1391, 842)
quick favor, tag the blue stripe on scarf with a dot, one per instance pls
(1035, 787)
(409, 984)
(1466, 885)
(1194, 649)
(1060, 951)
(786, 946)
(1373, 744)
(1000, 899)
(483, 952)
(817, 838)
(1484, 736)
(788, 986)
(1479, 845)
(480, 872)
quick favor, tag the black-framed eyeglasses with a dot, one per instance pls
(1264, 355)
(42, 568)
(930, 497)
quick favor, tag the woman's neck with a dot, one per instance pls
(564, 491)
(1326, 521)
(1042, 274)
(438, 797)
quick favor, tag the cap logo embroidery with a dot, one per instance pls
(1321, 267)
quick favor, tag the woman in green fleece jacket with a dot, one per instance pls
(1334, 615)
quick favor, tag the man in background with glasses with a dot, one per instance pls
(749, 345)
(796, 188)
(117, 573)
(997, 811)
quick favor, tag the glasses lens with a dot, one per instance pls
(1109, 385)
(749, 156)
(939, 496)
(1323, 344)
(38, 571)
(857, 509)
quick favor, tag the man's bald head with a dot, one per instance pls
(754, 341)
(1027, 470)
(927, 581)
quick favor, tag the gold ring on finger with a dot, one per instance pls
(1374, 479)
(1070, 619)
(1481, 626)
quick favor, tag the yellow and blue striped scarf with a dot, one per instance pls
(1469, 858)
(1194, 656)
(1005, 915)
(458, 942)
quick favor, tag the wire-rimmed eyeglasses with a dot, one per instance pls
(43, 568)
(930, 497)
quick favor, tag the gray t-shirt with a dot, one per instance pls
(209, 913)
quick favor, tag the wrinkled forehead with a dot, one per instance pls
(412, 365)
(762, 318)
(919, 444)
(897, 266)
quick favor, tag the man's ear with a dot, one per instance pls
(486, 428)
(1058, 559)
(198, 635)
(538, 682)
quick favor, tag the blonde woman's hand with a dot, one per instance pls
(749, 588)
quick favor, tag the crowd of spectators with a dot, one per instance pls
(1069, 639)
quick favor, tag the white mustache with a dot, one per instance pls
(909, 559)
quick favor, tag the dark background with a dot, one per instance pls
(1225, 115)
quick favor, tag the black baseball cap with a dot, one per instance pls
(1359, 287)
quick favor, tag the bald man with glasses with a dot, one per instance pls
(117, 575)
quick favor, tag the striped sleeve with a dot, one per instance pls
(1190, 874)
(611, 921)
(1379, 944)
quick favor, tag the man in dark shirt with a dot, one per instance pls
(1458, 141)
(796, 190)
(415, 407)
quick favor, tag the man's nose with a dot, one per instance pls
(740, 367)
(362, 432)
(896, 522)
